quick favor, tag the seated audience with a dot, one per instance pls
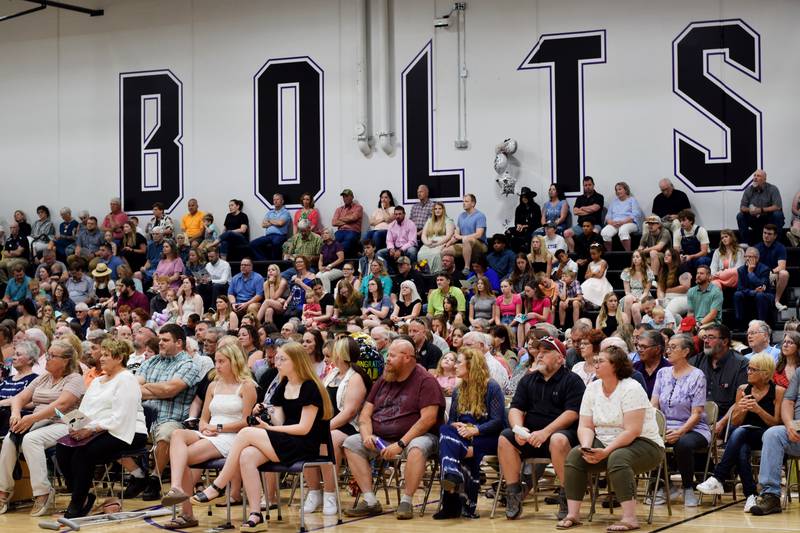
(277, 223)
(304, 243)
(401, 240)
(421, 211)
(624, 217)
(229, 399)
(113, 404)
(773, 255)
(691, 242)
(59, 387)
(596, 286)
(588, 206)
(788, 360)
(793, 235)
(637, 280)
(726, 261)
(761, 205)
(725, 371)
(757, 408)
(483, 302)
(680, 393)
(64, 242)
(405, 272)
(403, 409)
(673, 285)
(583, 244)
(293, 431)
(469, 237)
(588, 348)
(500, 259)
(347, 386)
(655, 240)
(618, 433)
(408, 305)
(26, 355)
(308, 212)
(380, 219)
(649, 358)
(237, 229)
(476, 417)
(610, 318)
(438, 295)
(527, 218)
(555, 211)
(536, 308)
(348, 219)
(246, 287)
(331, 259)
(705, 299)
(668, 204)
(545, 407)
(753, 290)
(759, 335)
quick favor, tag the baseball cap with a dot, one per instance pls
(403, 260)
(687, 324)
(346, 192)
(653, 219)
(551, 343)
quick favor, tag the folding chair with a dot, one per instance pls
(216, 465)
(788, 460)
(502, 481)
(397, 479)
(329, 459)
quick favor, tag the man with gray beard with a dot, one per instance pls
(725, 370)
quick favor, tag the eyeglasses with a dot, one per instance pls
(642, 347)
(51, 356)
(711, 337)
(753, 370)
(583, 344)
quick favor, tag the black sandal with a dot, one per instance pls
(200, 498)
(254, 525)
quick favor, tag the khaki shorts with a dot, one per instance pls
(477, 246)
(428, 444)
(163, 431)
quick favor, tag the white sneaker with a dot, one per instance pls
(780, 307)
(750, 503)
(690, 499)
(329, 507)
(313, 500)
(661, 499)
(711, 486)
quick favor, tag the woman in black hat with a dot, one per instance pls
(527, 218)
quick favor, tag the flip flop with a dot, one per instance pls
(621, 526)
(568, 523)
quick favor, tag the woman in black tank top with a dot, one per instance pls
(757, 408)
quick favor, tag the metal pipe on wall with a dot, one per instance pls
(362, 79)
(385, 134)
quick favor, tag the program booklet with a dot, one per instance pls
(74, 419)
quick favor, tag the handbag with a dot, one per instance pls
(70, 442)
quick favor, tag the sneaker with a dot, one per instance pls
(135, 487)
(153, 490)
(44, 506)
(690, 498)
(562, 504)
(766, 504)
(711, 486)
(513, 501)
(661, 499)
(404, 511)
(329, 504)
(750, 503)
(364, 509)
(780, 307)
(313, 500)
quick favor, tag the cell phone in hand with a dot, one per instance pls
(584, 449)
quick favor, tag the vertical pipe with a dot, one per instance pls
(385, 133)
(362, 79)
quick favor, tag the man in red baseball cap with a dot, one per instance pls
(543, 421)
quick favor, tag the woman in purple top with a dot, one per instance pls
(680, 393)
(170, 265)
(331, 258)
(624, 217)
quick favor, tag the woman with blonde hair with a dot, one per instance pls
(610, 318)
(347, 386)
(408, 304)
(293, 431)
(436, 232)
(476, 418)
(276, 291)
(726, 261)
(540, 258)
(229, 400)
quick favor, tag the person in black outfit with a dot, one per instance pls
(527, 218)
(668, 203)
(237, 228)
(583, 242)
(428, 354)
(407, 272)
(588, 206)
(297, 426)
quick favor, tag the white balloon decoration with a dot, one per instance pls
(505, 179)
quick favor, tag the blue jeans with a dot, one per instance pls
(349, 241)
(741, 443)
(230, 238)
(268, 247)
(391, 264)
(378, 237)
(746, 221)
(776, 444)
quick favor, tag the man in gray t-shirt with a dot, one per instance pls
(778, 442)
(761, 205)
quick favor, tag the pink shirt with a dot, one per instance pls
(117, 221)
(169, 268)
(402, 236)
(537, 306)
(509, 309)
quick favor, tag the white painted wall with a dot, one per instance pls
(59, 94)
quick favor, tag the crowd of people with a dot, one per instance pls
(381, 345)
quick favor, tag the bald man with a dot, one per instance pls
(401, 414)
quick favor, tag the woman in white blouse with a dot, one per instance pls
(113, 407)
(189, 301)
(618, 433)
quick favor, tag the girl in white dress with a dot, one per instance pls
(596, 285)
(229, 400)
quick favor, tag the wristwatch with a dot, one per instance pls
(219, 428)
(402, 444)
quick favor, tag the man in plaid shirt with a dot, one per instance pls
(569, 296)
(169, 382)
(421, 212)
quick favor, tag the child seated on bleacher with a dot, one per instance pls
(657, 318)
(311, 309)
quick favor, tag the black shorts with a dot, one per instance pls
(527, 451)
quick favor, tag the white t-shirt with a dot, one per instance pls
(556, 243)
(115, 405)
(607, 412)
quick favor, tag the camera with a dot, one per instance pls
(263, 416)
